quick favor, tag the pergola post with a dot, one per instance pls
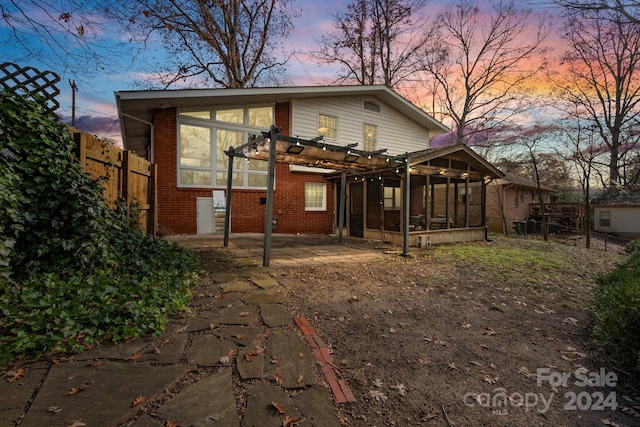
(227, 202)
(406, 205)
(268, 216)
(343, 198)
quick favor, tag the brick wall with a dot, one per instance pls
(177, 206)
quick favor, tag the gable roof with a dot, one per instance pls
(135, 108)
(456, 152)
(523, 183)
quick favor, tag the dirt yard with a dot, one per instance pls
(485, 334)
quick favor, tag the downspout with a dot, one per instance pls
(151, 152)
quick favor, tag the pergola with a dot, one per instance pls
(346, 160)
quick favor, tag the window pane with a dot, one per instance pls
(197, 114)
(261, 117)
(231, 116)
(370, 137)
(257, 180)
(193, 177)
(314, 196)
(221, 179)
(195, 146)
(226, 139)
(258, 165)
(327, 126)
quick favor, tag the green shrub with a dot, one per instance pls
(617, 312)
(632, 247)
(72, 271)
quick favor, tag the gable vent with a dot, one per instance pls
(371, 106)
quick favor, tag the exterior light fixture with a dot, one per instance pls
(464, 175)
(351, 157)
(295, 148)
(442, 172)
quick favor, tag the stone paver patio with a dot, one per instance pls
(239, 331)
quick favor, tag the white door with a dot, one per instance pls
(205, 218)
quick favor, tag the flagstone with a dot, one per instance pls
(208, 349)
(274, 315)
(290, 363)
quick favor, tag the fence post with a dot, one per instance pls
(81, 149)
(153, 200)
(126, 175)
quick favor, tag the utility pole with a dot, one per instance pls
(74, 89)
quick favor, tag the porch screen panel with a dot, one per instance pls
(374, 202)
(439, 205)
(475, 203)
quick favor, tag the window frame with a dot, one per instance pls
(241, 167)
(365, 139)
(335, 118)
(601, 219)
(322, 208)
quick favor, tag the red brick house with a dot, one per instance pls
(187, 133)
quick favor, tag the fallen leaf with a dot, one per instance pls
(609, 422)
(435, 340)
(452, 365)
(377, 382)
(253, 353)
(378, 395)
(393, 330)
(276, 360)
(224, 360)
(280, 409)
(231, 353)
(491, 379)
(278, 378)
(54, 409)
(77, 423)
(400, 387)
(156, 350)
(237, 336)
(300, 378)
(94, 364)
(488, 331)
(570, 321)
(301, 355)
(171, 423)
(212, 325)
(289, 421)
(243, 314)
(134, 356)
(473, 362)
(424, 360)
(166, 341)
(16, 375)
(466, 325)
(247, 358)
(138, 400)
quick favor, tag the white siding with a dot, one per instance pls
(396, 132)
(624, 219)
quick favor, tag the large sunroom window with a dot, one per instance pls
(204, 136)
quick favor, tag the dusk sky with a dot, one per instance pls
(95, 105)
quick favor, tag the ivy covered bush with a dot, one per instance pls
(617, 312)
(72, 271)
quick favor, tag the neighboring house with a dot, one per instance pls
(621, 220)
(379, 139)
(509, 199)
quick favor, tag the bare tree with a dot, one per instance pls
(376, 42)
(66, 34)
(580, 146)
(231, 44)
(480, 61)
(225, 43)
(629, 9)
(602, 79)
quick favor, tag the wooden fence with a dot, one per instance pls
(122, 174)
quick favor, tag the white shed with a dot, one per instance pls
(623, 220)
